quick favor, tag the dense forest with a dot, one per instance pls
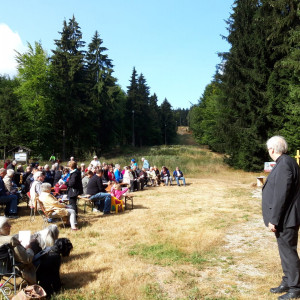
(256, 90)
(69, 103)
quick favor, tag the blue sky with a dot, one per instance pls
(174, 43)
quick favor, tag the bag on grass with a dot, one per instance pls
(31, 292)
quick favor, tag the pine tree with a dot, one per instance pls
(68, 76)
(167, 122)
(243, 81)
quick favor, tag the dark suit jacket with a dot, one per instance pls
(281, 194)
(75, 184)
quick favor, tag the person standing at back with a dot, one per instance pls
(74, 185)
(281, 214)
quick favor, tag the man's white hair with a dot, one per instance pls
(10, 172)
(46, 187)
(37, 174)
(278, 143)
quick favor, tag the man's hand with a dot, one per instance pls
(272, 227)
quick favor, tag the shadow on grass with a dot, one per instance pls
(75, 280)
(78, 256)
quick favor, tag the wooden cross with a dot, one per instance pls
(298, 157)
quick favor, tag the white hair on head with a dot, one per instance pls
(37, 174)
(46, 187)
(46, 166)
(278, 143)
(10, 172)
(3, 221)
(117, 166)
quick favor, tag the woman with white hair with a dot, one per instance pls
(8, 181)
(23, 256)
(35, 189)
(55, 208)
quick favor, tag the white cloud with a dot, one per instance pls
(9, 42)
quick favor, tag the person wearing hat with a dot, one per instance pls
(133, 163)
(95, 162)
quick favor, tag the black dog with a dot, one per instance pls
(48, 263)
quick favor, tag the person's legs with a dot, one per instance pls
(107, 203)
(11, 202)
(73, 203)
(100, 198)
(183, 180)
(287, 245)
(177, 180)
(73, 220)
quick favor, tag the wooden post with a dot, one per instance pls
(298, 157)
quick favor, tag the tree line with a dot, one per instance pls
(255, 92)
(69, 103)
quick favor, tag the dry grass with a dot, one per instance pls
(203, 241)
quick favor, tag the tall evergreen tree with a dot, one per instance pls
(243, 84)
(68, 76)
(11, 117)
(167, 122)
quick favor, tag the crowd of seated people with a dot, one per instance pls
(74, 180)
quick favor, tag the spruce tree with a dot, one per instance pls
(68, 77)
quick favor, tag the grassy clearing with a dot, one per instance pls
(203, 241)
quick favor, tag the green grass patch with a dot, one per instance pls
(166, 254)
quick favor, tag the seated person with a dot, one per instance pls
(105, 173)
(111, 174)
(18, 176)
(9, 184)
(35, 189)
(58, 174)
(117, 192)
(128, 177)
(23, 256)
(96, 189)
(54, 207)
(178, 175)
(142, 175)
(157, 173)
(62, 183)
(49, 176)
(10, 201)
(85, 180)
(153, 177)
(118, 174)
(165, 175)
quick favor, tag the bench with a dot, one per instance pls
(87, 201)
(129, 198)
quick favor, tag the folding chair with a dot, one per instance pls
(47, 216)
(8, 272)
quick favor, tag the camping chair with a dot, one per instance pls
(8, 271)
(47, 217)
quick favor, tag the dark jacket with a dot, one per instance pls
(281, 194)
(175, 174)
(95, 186)
(75, 184)
(57, 176)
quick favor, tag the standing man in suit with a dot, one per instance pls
(281, 214)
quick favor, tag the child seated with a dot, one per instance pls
(117, 192)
